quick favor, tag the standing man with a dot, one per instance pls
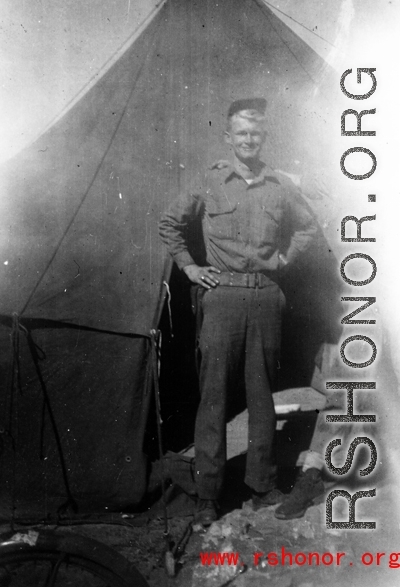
(253, 227)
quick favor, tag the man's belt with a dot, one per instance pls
(244, 279)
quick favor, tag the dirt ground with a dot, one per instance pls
(254, 536)
(247, 532)
(269, 552)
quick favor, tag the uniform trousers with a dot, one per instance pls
(239, 339)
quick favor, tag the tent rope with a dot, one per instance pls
(38, 355)
(299, 23)
(169, 307)
(16, 329)
(93, 178)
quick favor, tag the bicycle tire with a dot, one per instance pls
(72, 550)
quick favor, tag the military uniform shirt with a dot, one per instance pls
(245, 226)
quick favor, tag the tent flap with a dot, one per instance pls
(99, 399)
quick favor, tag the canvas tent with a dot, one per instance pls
(82, 269)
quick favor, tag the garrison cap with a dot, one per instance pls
(257, 104)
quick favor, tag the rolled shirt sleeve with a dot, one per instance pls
(175, 224)
(303, 226)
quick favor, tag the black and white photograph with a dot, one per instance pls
(199, 277)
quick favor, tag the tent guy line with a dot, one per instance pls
(299, 23)
(283, 41)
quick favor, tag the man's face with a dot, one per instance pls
(246, 138)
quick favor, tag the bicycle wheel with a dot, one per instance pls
(54, 559)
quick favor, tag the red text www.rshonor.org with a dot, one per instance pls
(287, 558)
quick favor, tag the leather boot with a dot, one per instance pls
(308, 486)
(206, 512)
(266, 498)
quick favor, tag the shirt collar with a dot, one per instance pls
(266, 174)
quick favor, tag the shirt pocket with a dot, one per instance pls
(268, 223)
(221, 221)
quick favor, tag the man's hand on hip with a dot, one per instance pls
(202, 275)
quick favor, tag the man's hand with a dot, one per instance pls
(202, 275)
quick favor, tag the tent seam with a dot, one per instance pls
(93, 179)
